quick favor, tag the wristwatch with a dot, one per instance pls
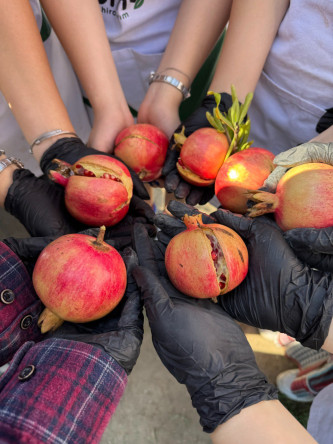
(157, 77)
(4, 163)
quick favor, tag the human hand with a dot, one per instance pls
(106, 127)
(173, 182)
(198, 342)
(72, 149)
(39, 205)
(311, 152)
(120, 333)
(313, 246)
(160, 107)
(280, 292)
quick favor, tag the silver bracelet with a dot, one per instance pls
(48, 135)
(4, 163)
(158, 77)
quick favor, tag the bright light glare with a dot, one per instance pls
(233, 174)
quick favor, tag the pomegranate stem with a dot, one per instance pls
(100, 237)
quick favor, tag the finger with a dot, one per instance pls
(241, 224)
(156, 301)
(169, 224)
(170, 161)
(142, 246)
(311, 239)
(131, 315)
(273, 179)
(320, 261)
(183, 189)
(141, 208)
(171, 181)
(28, 249)
(194, 196)
(179, 209)
(306, 153)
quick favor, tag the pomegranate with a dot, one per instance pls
(201, 155)
(143, 148)
(98, 189)
(79, 278)
(303, 198)
(206, 261)
(243, 171)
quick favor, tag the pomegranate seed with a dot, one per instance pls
(78, 166)
(180, 162)
(214, 255)
(221, 285)
(106, 176)
(88, 173)
(223, 277)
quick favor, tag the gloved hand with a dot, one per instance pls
(119, 333)
(280, 292)
(39, 205)
(313, 246)
(198, 342)
(72, 149)
(173, 182)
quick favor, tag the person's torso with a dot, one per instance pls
(296, 86)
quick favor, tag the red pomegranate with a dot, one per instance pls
(303, 198)
(243, 171)
(143, 148)
(98, 189)
(206, 261)
(78, 278)
(201, 155)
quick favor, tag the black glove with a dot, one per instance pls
(198, 342)
(173, 182)
(120, 333)
(313, 246)
(39, 205)
(72, 149)
(280, 292)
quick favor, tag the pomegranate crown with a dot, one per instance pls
(232, 123)
(193, 222)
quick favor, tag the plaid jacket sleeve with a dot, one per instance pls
(59, 391)
(19, 305)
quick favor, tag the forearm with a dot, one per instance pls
(324, 137)
(194, 35)
(267, 421)
(26, 80)
(251, 31)
(84, 39)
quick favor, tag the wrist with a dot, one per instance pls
(6, 178)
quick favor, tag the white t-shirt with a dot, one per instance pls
(138, 32)
(11, 137)
(296, 86)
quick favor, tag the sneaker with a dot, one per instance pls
(305, 387)
(306, 358)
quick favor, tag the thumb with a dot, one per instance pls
(156, 300)
(241, 224)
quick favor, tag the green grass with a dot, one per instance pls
(300, 410)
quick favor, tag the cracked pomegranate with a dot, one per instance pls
(79, 278)
(206, 261)
(98, 189)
